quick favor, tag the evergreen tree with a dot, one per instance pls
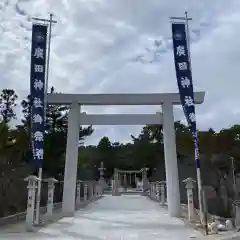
(8, 99)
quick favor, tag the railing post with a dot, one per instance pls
(88, 191)
(85, 192)
(32, 185)
(78, 199)
(189, 186)
(155, 184)
(162, 191)
(158, 191)
(237, 214)
(101, 189)
(95, 190)
(98, 189)
(154, 190)
(51, 186)
(151, 189)
(91, 191)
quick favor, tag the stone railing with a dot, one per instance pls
(86, 192)
(157, 191)
(12, 219)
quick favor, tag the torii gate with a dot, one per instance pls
(167, 100)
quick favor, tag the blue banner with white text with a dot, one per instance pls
(184, 80)
(37, 91)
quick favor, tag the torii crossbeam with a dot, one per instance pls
(120, 119)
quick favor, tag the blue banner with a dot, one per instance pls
(37, 88)
(184, 80)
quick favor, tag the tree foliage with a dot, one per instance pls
(8, 99)
(16, 161)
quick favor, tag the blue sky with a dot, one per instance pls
(95, 43)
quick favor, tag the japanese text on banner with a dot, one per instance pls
(184, 79)
(37, 88)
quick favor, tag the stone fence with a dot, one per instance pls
(157, 191)
(12, 219)
(86, 192)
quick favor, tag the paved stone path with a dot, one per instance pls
(126, 217)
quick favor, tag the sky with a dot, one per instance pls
(108, 46)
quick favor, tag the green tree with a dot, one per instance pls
(8, 99)
(105, 149)
(207, 141)
(147, 147)
(13, 171)
(26, 110)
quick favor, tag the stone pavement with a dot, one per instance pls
(128, 217)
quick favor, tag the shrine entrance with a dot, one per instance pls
(130, 179)
(166, 118)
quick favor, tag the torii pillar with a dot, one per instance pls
(171, 165)
(70, 175)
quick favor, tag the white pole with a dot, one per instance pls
(39, 184)
(45, 109)
(48, 58)
(199, 180)
(188, 40)
(234, 189)
(171, 165)
(234, 179)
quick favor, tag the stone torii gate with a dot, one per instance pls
(166, 100)
(123, 173)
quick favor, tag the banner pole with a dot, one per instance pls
(37, 219)
(188, 38)
(199, 180)
(38, 200)
(37, 91)
(48, 59)
(186, 20)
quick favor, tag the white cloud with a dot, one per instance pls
(94, 43)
